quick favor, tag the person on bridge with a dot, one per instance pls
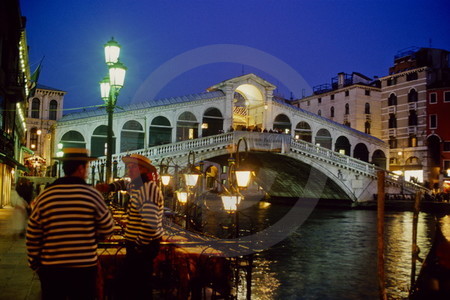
(67, 220)
(144, 224)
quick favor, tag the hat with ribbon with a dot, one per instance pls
(140, 160)
(79, 154)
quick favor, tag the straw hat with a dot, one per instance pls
(80, 154)
(140, 160)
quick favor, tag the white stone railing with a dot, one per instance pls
(224, 140)
(332, 157)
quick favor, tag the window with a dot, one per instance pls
(367, 127)
(412, 96)
(392, 142)
(367, 108)
(347, 123)
(53, 109)
(392, 100)
(391, 81)
(412, 141)
(332, 112)
(319, 112)
(33, 139)
(392, 121)
(347, 93)
(433, 98)
(332, 97)
(367, 92)
(412, 118)
(433, 121)
(446, 146)
(411, 76)
(319, 100)
(446, 167)
(35, 106)
(308, 103)
(347, 109)
(446, 96)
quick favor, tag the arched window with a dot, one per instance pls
(392, 100)
(347, 109)
(332, 112)
(160, 131)
(323, 138)
(99, 140)
(212, 122)
(303, 132)
(53, 108)
(187, 126)
(367, 108)
(282, 123)
(35, 108)
(412, 96)
(131, 136)
(73, 139)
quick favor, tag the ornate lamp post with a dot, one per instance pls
(109, 89)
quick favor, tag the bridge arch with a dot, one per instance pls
(187, 126)
(361, 152)
(342, 145)
(212, 122)
(303, 131)
(160, 131)
(132, 136)
(379, 159)
(282, 123)
(73, 139)
(323, 138)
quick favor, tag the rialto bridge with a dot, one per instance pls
(210, 123)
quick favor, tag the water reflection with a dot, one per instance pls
(333, 256)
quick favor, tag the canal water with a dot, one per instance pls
(333, 255)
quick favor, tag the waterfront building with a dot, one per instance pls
(14, 89)
(45, 107)
(350, 99)
(438, 133)
(409, 121)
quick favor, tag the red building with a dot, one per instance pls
(438, 135)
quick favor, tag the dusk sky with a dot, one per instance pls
(316, 38)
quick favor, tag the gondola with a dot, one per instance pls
(433, 281)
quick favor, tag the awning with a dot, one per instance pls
(27, 150)
(12, 162)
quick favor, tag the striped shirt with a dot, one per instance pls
(145, 210)
(67, 220)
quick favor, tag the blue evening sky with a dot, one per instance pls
(316, 38)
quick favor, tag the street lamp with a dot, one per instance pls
(237, 179)
(109, 90)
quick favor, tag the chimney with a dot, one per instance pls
(341, 80)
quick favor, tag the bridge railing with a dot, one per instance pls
(333, 157)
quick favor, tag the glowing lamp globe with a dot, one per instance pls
(182, 197)
(165, 179)
(230, 203)
(243, 178)
(112, 51)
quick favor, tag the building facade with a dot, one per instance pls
(412, 100)
(45, 108)
(14, 79)
(350, 99)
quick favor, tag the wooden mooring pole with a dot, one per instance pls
(415, 249)
(380, 235)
